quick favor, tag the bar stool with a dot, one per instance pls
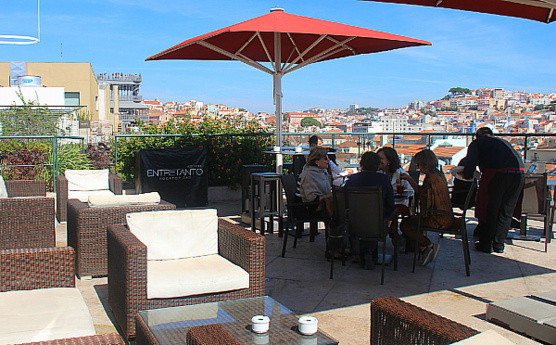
(246, 171)
(266, 200)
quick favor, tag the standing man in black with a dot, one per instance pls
(502, 178)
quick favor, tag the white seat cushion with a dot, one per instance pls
(194, 276)
(172, 235)
(3, 190)
(43, 314)
(489, 337)
(88, 179)
(83, 195)
(103, 200)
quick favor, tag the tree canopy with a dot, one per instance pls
(363, 111)
(459, 90)
(310, 121)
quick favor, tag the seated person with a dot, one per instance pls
(391, 166)
(314, 182)
(433, 194)
(368, 177)
(337, 174)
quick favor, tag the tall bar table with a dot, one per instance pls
(266, 200)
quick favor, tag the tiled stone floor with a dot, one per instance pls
(300, 282)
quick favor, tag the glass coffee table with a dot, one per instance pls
(170, 325)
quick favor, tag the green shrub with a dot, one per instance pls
(23, 161)
(230, 144)
(34, 159)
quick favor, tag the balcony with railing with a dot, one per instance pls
(300, 280)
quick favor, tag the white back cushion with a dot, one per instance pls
(100, 200)
(87, 179)
(43, 314)
(194, 276)
(3, 190)
(171, 235)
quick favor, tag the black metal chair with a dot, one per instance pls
(536, 202)
(459, 191)
(299, 212)
(459, 228)
(335, 240)
(366, 220)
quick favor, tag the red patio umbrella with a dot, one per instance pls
(287, 42)
(540, 10)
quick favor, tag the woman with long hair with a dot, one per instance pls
(432, 194)
(391, 166)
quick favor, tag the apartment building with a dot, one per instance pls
(75, 83)
(121, 100)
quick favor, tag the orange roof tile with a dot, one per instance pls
(347, 144)
(408, 149)
(447, 151)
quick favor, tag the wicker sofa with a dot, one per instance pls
(38, 296)
(394, 321)
(86, 231)
(115, 183)
(28, 219)
(127, 272)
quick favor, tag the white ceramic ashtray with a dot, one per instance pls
(308, 325)
(260, 323)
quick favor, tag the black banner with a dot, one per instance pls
(178, 174)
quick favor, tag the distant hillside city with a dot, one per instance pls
(113, 103)
(460, 111)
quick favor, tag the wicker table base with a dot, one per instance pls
(168, 326)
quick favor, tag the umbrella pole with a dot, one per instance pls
(277, 80)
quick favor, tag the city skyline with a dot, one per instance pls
(468, 50)
(347, 107)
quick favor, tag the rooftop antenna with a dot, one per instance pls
(24, 39)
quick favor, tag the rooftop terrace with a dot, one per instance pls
(300, 282)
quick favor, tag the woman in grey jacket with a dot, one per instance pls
(314, 183)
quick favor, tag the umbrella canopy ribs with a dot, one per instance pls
(286, 42)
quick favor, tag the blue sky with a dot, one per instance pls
(470, 50)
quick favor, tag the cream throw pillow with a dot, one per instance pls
(88, 179)
(171, 235)
(3, 190)
(152, 198)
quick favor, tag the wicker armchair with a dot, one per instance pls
(27, 219)
(127, 272)
(44, 268)
(104, 339)
(36, 268)
(115, 183)
(394, 321)
(86, 231)
(19, 188)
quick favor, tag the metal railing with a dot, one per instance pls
(366, 141)
(363, 141)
